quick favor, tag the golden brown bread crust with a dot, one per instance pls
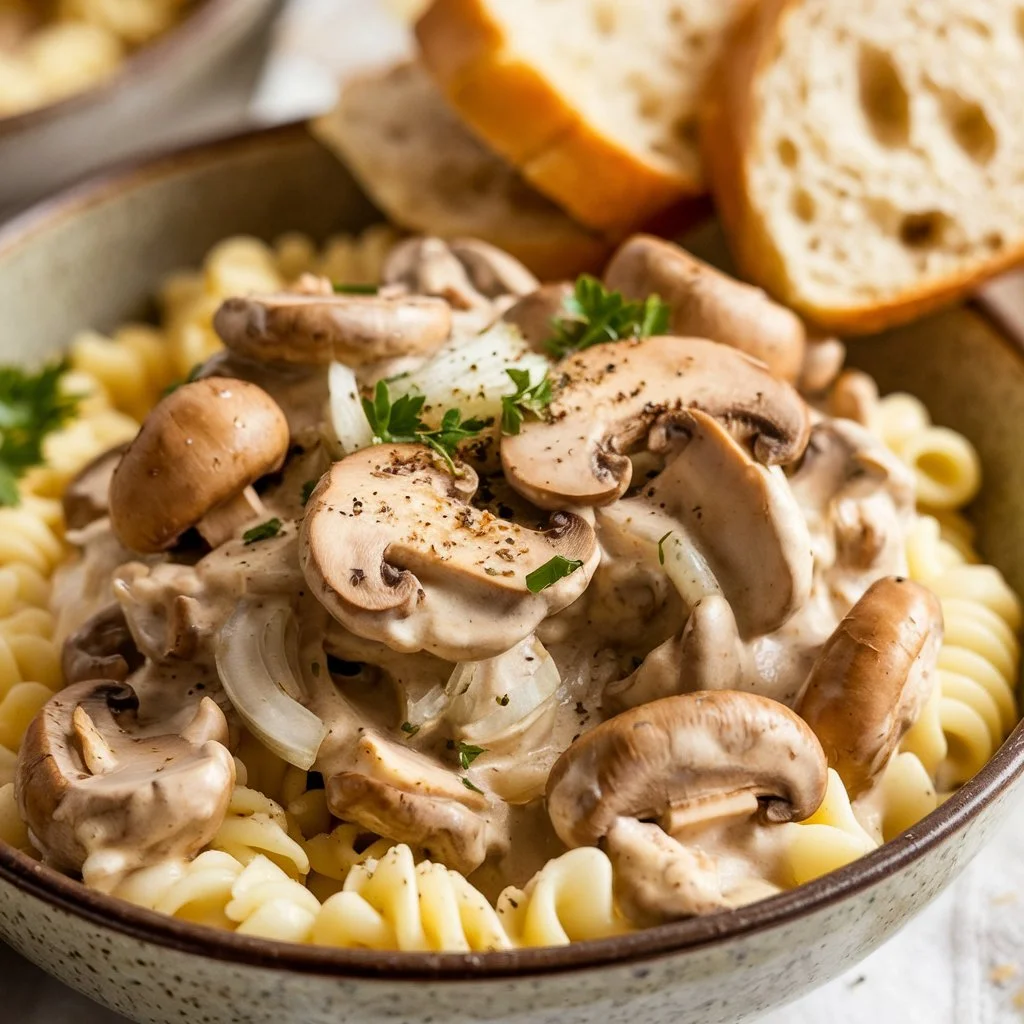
(593, 177)
(726, 118)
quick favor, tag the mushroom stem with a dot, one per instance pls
(679, 817)
(221, 523)
(96, 752)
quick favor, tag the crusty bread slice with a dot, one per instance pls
(867, 158)
(595, 101)
(425, 170)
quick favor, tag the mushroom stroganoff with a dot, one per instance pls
(461, 611)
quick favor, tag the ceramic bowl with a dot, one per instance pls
(195, 79)
(93, 257)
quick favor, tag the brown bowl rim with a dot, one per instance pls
(207, 18)
(19, 870)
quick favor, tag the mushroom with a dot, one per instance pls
(193, 463)
(617, 396)
(103, 648)
(96, 783)
(85, 499)
(357, 330)
(533, 313)
(706, 303)
(687, 759)
(823, 362)
(854, 396)
(872, 678)
(392, 548)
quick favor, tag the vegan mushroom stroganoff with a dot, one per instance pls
(443, 609)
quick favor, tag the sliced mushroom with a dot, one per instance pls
(872, 678)
(424, 265)
(493, 271)
(86, 497)
(823, 362)
(193, 464)
(288, 327)
(534, 313)
(395, 552)
(618, 396)
(706, 303)
(103, 648)
(685, 757)
(96, 783)
(854, 396)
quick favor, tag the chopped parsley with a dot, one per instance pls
(271, 528)
(661, 547)
(468, 783)
(592, 315)
(527, 399)
(409, 729)
(400, 422)
(307, 491)
(32, 405)
(354, 289)
(551, 572)
(468, 753)
(193, 375)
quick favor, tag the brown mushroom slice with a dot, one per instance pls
(534, 313)
(823, 362)
(706, 303)
(321, 329)
(103, 648)
(873, 677)
(620, 396)
(739, 516)
(86, 497)
(405, 795)
(493, 271)
(96, 784)
(193, 463)
(392, 548)
(685, 756)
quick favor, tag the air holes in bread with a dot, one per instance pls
(924, 230)
(970, 127)
(787, 151)
(803, 205)
(1020, 23)
(605, 18)
(883, 97)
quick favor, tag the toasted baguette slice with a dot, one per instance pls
(595, 101)
(866, 158)
(428, 173)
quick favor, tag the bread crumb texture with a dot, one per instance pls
(886, 153)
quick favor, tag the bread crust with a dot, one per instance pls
(518, 112)
(727, 116)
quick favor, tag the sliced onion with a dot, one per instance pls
(687, 568)
(256, 656)
(347, 417)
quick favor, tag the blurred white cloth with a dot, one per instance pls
(959, 962)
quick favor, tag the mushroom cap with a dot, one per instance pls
(392, 548)
(706, 303)
(872, 677)
(533, 313)
(681, 751)
(91, 779)
(103, 648)
(202, 445)
(86, 497)
(356, 330)
(619, 395)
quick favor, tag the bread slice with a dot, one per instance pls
(426, 171)
(595, 101)
(867, 158)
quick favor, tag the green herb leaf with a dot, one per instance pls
(31, 406)
(592, 315)
(469, 785)
(307, 491)
(661, 547)
(409, 729)
(271, 528)
(468, 753)
(400, 423)
(527, 399)
(502, 700)
(193, 375)
(354, 289)
(551, 572)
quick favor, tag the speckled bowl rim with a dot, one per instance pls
(209, 17)
(108, 913)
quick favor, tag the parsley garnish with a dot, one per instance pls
(400, 422)
(31, 406)
(468, 753)
(661, 547)
(193, 375)
(409, 729)
(469, 785)
(535, 399)
(551, 572)
(593, 315)
(307, 491)
(354, 289)
(271, 528)
(502, 700)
